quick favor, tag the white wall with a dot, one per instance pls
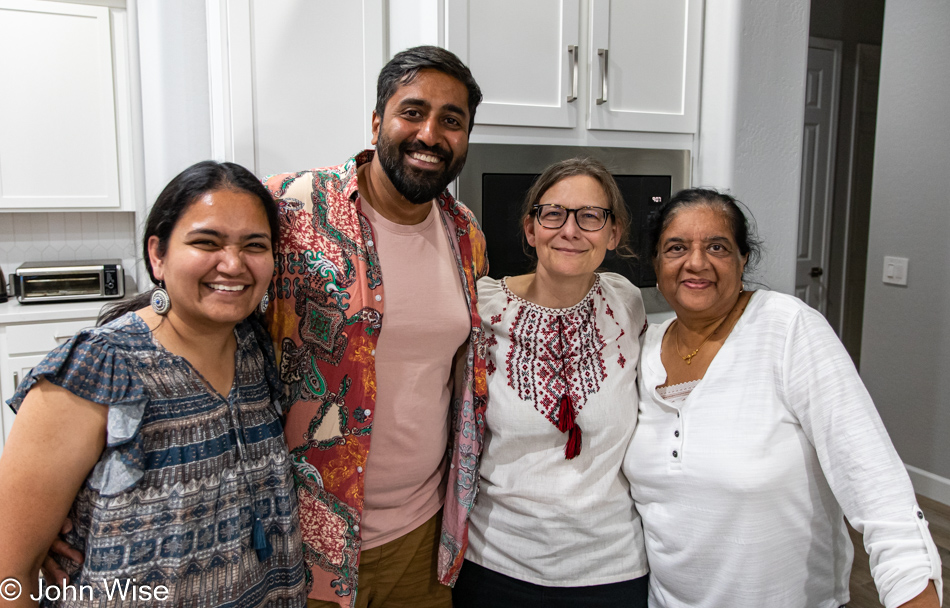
(751, 120)
(67, 236)
(906, 345)
(176, 111)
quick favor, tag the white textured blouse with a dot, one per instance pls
(539, 516)
(744, 485)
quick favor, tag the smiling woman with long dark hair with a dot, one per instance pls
(158, 433)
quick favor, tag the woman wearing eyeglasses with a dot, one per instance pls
(554, 523)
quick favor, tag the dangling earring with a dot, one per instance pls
(265, 302)
(160, 302)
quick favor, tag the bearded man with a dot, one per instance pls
(376, 329)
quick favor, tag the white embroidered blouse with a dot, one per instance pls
(540, 516)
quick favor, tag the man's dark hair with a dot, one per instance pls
(402, 69)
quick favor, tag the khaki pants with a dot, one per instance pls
(401, 573)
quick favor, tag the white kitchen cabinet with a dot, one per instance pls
(638, 62)
(645, 65)
(25, 340)
(65, 108)
(524, 56)
(14, 370)
(293, 84)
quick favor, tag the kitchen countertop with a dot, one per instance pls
(14, 312)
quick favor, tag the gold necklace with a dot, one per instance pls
(689, 358)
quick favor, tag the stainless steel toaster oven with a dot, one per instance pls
(64, 281)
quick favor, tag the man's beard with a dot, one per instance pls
(418, 187)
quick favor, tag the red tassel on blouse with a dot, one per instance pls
(566, 423)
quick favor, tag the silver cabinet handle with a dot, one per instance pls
(602, 54)
(16, 380)
(572, 52)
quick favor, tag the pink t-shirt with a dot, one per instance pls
(425, 321)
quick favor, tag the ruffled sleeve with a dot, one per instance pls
(490, 296)
(94, 367)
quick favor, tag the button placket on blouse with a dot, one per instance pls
(676, 440)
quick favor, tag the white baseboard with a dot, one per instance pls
(932, 486)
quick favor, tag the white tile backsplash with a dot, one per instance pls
(54, 237)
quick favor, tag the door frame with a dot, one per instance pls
(837, 49)
(854, 175)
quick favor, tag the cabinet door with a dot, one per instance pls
(523, 55)
(645, 59)
(13, 369)
(21, 347)
(293, 83)
(58, 146)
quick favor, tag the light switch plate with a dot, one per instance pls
(895, 270)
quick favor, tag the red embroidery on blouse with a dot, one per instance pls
(552, 355)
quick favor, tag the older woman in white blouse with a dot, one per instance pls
(756, 438)
(554, 524)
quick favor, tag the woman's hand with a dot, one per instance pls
(927, 599)
(55, 441)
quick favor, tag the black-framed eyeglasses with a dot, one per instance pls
(589, 219)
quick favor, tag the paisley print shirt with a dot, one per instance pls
(325, 320)
(173, 498)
